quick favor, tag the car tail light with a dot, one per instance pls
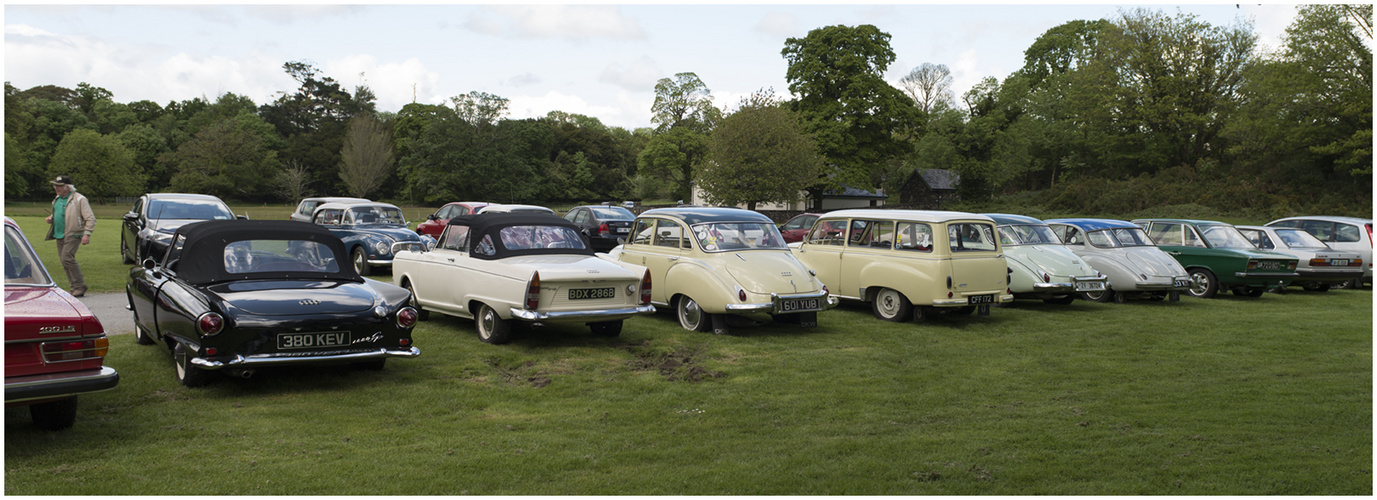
(645, 288)
(406, 318)
(1291, 264)
(75, 350)
(741, 294)
(1046, 278)
(1319, 262)
(210, 324)
(602, 229)
(533, 291)
(1369, 233)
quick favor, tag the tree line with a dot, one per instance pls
(1105, 116)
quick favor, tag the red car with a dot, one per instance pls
(798, 227)
(435, 223)
(54, 347)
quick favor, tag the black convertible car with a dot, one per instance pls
(235, 295)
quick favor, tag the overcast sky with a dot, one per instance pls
(596, 60)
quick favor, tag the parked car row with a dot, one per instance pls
(228, 295)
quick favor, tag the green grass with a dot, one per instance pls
(1271, 395)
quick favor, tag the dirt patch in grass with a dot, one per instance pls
(680, 363)
(523, 374)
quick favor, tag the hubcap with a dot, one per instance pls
(487, 321)
(888, 304)
(1199, 283)
(690, 312)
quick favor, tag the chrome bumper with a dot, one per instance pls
(773, 306)
(56, 385)
(591, 316)
(1003, 298)
(241, 361)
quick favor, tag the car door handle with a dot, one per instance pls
(1174, 253)
(451, 259)
(673, 258)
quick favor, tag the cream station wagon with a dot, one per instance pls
(501, 268)
(909, 262)
(717, 265)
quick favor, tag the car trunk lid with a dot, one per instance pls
(285, 298)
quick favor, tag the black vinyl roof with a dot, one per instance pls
(481, 225)
(202, 257)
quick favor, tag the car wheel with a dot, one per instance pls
(890, 305)
(1203, 283)
(1106, 295)
(1316, 287)
(1061, 299)
(691, 315)
(606, 328)
(421, 314)
(55, 415)
(187, 375)
(491, 327)
(361, 261)
(124, 255)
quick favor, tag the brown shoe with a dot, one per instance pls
(79, 292)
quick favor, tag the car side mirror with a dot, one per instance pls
(242, 217)
(432, 217)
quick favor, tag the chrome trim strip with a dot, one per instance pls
(275, 359)
(589, 315)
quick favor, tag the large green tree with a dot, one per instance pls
(367, 158)
(99, 164)
(228, 159)
(759, 154)
(684, 116)
(859, 120)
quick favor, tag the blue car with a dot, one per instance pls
(368, 231)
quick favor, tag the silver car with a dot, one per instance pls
(1124, 253)
(1346, 234)
(1320, 267)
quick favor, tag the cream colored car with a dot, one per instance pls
(717, 265)
(909, 262)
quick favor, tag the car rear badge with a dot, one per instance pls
(309, 302)
(57, 329)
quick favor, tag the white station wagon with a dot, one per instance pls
(909, 262)
(499, 268)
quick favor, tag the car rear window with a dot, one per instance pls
(267, 256)
(22, 267)
(971, 237)
(1346, 233)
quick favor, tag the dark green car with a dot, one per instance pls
(1217, 256)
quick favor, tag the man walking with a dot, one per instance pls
(71, 225)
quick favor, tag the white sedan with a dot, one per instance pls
(502, 267)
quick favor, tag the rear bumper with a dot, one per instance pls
(58, 385)
(241, 361)
(776, 304)
(1329, 276)
(1000, 298)
(589, 316)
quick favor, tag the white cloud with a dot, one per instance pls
(639, 76)
(395, 84)
(538, 106)
(778, 25)
(576, 23)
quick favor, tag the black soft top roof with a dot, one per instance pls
(202, 258)
(489, 224)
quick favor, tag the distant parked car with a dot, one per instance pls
(1040, 266)
(1218, 257)
(602, 224)
(307, 207)
(368, 231)
(234, 296)
(150, 223)
(716, 266)
(531, 267)
(909, 264)
(1319, 266)
(797, 227)
(503, 208)
(1122, 252)
(1345, 234)
(628, 204)
(54, 347)
(435, 223)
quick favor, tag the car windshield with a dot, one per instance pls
(188, 209)
(1027, 235)
(727, 236)
(376, 215)
(266, 256)
(612, 213)
(1226, 237)
(1120, 237)
(1297, 238)
(529, 237)
(22, 267)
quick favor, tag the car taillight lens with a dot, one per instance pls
(1045, 278)
(603, 228)
(533, 291)
(645, 288)
(1319, 262)
(76, 350)
(406, 318)
(741, 294)
(210, 324)
(1369, 233)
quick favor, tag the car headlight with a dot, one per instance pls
(381, 247)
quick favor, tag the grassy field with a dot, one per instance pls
(1224, 396)
(1271, 395)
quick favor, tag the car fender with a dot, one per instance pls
(1121, 278)
(902, 276)
(703, 282)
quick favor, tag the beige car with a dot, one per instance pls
(909, 262)
(717, 266)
